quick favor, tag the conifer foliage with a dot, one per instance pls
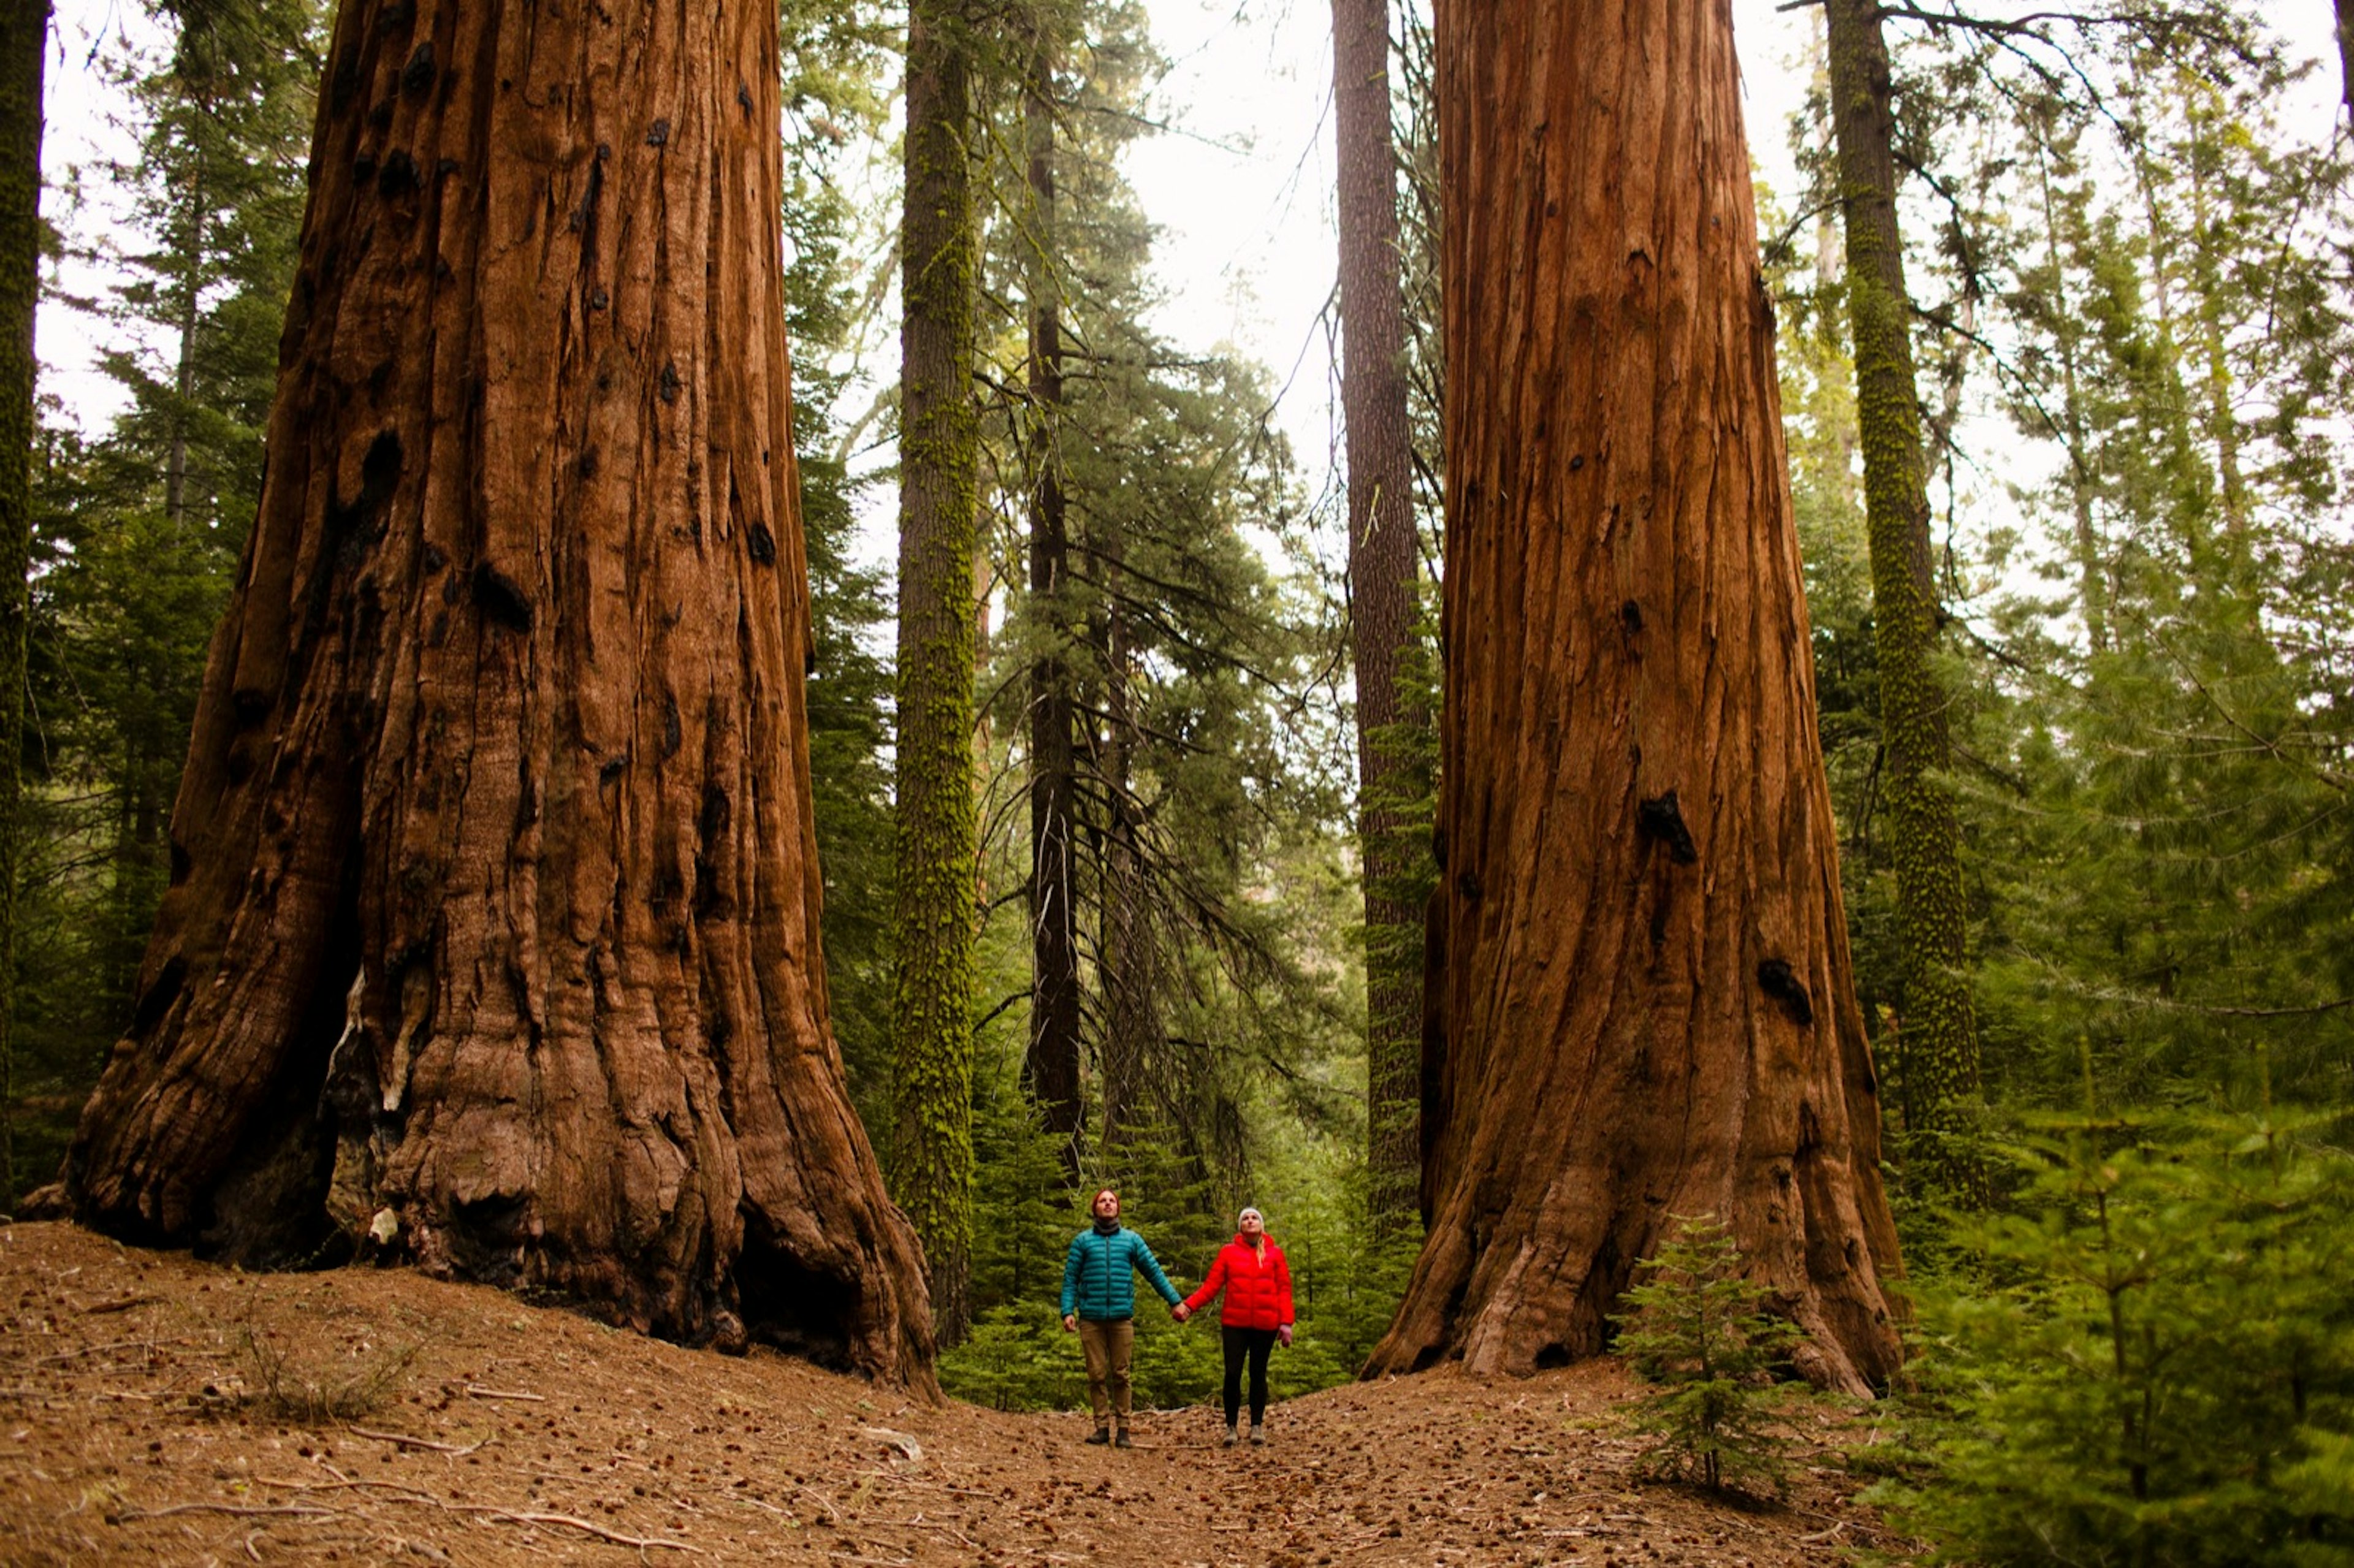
(2155, 1365)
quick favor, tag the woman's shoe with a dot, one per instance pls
(1233, 1437)
(1259, 1434)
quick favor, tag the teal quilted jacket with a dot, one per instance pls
(1099, 1276)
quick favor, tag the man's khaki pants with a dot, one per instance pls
(1108, 1346)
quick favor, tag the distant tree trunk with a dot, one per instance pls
(1648, 1004)
(494, 919)
(1938, 1032)
(190, 283)
(1128, 956)
(2346, 53)
(938, 447)
(1053, 1062)
(2092, 579)
(1382, 557)
(24, 44)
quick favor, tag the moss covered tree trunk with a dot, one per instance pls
(938, 446)
(1382, 568)
(1646, 1003)
(24, 44)
(492, 929)
(1937, 1031)
(1053, 1060)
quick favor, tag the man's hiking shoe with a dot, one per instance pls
(1232, 1438)
(1101, 1435)
(1120, 1439)
(1258, 1434)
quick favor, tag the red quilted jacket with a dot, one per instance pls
(1259, 1288)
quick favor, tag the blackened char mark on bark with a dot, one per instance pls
(713, 899)
(350, 528)
(157, 999)
(583, 220)
(500, 602)
(1778, 980)
(1662, 819)
(417, 77)
(397, 177)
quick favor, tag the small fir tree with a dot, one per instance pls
(1698, 1329)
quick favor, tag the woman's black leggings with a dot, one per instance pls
(1255, 1343)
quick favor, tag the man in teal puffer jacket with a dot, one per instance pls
(1099, 1305)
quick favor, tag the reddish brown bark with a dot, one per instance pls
(1381, 559)
(1646, 1004)
(494, 904)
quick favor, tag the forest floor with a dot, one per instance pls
(145, 1417)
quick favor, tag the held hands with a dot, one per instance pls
(1283, 1334)
(1181, 1312)
(1070, 1322)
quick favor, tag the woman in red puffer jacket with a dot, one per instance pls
(1251, 1270)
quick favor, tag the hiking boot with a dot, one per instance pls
(1258, 1432)
(1232, 1438)
(1101, 1435)
(1120, 1439)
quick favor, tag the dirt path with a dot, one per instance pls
(132, 1431)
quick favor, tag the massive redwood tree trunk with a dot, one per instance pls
(493, 930)
(1382, 560)
(1646, 1000)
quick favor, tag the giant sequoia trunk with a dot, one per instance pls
(1381, 585)
(931, 1165)
(1938, 1032)
(493, 930)
(24, 43)
(1646, 1008)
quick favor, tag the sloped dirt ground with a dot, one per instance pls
(135, 1427)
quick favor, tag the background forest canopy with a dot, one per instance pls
(2127, 242)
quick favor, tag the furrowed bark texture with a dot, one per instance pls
(494, 898)
(1381, 559)
(938, 447)
(1052, 1064)
(1938, 1032)
(24, 44)
(1647, 1003)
